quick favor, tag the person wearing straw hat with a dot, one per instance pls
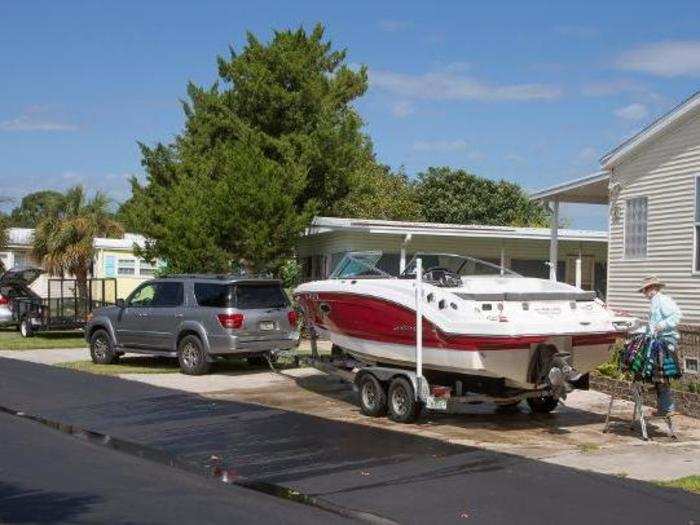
(664, 316)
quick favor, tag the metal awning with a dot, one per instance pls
(591, 189)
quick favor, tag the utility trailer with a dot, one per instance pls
(65, 307)
(402, 393)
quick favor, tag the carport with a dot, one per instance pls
(591, 189)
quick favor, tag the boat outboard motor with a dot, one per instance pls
(553, 368)
(561, 375)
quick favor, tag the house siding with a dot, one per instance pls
(664, 171)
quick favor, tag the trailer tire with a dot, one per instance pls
(402, 403)
(372, 396)
(192, 357)
(25, 327)
(542, 405)
(101, 348)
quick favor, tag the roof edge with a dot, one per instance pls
(657, 126)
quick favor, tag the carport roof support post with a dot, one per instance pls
(553, 241)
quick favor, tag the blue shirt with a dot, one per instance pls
(664, 314)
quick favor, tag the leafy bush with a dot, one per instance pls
(611, 367)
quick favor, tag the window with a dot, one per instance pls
(214, 295)
(157, 294)
(697, 224)
(126, 267)
(146, 269)
(691, 365)
(21, 261)
(142, 296)
(168, 294)
(636, 228)
(260, 296)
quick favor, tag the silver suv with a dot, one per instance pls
(195, 318)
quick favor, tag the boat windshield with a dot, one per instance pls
(461, 265)
(361, 264)
(379, 265)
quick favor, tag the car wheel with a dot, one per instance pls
(403, 407)
(372, 396)
(192, 357)
(542, 405)
(101, 348)
(25, 328)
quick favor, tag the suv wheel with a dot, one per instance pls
(101, 349)
(192, 357)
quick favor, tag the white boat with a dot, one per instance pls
(500, 330)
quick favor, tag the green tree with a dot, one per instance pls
(283, 108)
(378, 193)
(459, 197)
(63, 239)
(33, 207)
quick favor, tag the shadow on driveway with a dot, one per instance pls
(405, 477)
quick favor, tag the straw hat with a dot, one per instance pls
(651, 280)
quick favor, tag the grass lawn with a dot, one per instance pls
(160, 365)
(11, 340)
(689, 483)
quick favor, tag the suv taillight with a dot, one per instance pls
(4, 300)
(293, 318)
(231, 320)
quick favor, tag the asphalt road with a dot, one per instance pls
(50, 477)
(409, 479)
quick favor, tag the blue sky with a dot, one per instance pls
(525, 91)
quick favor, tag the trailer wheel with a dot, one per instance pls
(542, 405)
(101, 349)
(403, 407)
(372, 396)
(25, 327)
(192, 357)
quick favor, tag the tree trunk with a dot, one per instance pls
(82, 305)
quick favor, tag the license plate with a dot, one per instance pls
(267, 325)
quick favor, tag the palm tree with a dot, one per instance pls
(4, 224)
(63, 239)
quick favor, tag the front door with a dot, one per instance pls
(164, 315)
(132, 323)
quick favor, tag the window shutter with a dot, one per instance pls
(110, 266)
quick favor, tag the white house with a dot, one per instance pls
(113, 258)
(524, 250)
(650, 183)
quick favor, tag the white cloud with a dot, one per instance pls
(448, 86)
(440, 145)
(402, 108)
(515, 158)
(587, 155)
(394, 26)
(634, 111)
(35, 119)
(666, 59)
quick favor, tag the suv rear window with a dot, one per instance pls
(243, 296)
(260, 296)
(215, 295)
